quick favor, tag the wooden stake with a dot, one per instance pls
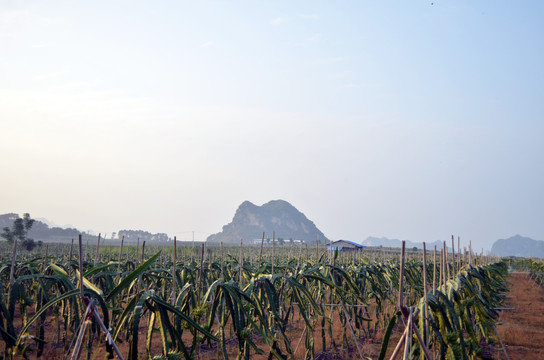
(470, 252)
(193, 248)
(316, 250)
(299, 255)
(446, 262)
(273, 251)
(444, 270)
(46, 254)
(423, 345)
(222, 260)
(143, 252)
(261, 252)
(80, 268)
(401, 277)
(399, 344)
(71, 250)
(97, 257)
(458, 253)
(425, 330)
(241, 263)
(174, 270)
(408, 339)
(453, 255)
(121, 250)
(434, 271)
(201, 266)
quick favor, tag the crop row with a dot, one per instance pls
(213, 296)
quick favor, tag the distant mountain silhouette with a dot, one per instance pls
(396, 243)
(277, 216)
(47, 231)
(518, 246)
(40, 230)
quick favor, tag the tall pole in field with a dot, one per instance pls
(273, 251)
(71, 250)
(453, 255)
(174, 283)
(46, 254)
(299, 255)
(84, 323)
(141, 262)
(193, 247)
(470, 252)
(316, 249)
(401, 276)
(261, 252)
(425, 330)
(201, 271)
(434, 271)
(222, 260)
(241, 262)
(121, 250)
(89, 311)
(444, 264)
(96, 258)
(458, 253)
(80, 268)
(143, 253)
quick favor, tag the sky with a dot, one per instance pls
(412, 120)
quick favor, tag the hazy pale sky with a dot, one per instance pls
(405, 119)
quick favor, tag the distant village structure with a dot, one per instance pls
(345, 245)
(280, 241)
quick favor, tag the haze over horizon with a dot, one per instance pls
(413, 120)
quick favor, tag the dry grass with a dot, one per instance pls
(522, 329)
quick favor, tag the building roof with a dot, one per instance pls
(347, 241)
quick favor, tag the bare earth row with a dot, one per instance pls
(522, 328)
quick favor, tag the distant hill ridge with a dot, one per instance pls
(45, 230)
(40, 230)
(276, 216)
(518, 245)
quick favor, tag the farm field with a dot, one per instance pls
(250, 302)
(520, 330)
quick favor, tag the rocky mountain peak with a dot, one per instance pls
(276, 216)
(518, 245)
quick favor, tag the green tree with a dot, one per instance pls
(19, 231)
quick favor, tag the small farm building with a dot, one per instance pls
(345, 245)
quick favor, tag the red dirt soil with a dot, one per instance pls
(522, 329)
